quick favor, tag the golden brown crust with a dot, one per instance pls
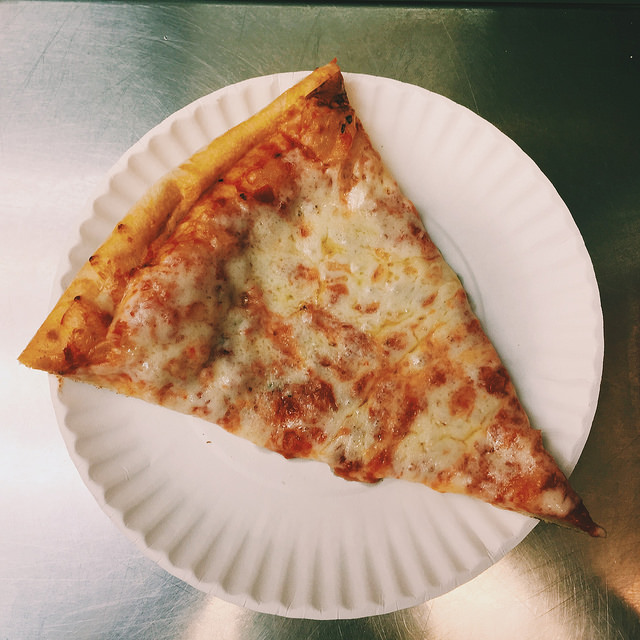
(82, 315)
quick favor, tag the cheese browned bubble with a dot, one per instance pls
(300, 303)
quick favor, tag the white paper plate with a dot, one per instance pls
(288, 537)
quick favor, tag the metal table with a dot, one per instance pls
(81, 82)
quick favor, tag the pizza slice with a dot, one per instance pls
(280, 285)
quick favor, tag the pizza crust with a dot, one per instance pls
(81, 317)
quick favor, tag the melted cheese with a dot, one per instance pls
(316, 318)
(333, 288)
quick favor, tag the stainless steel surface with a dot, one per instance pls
(79, 83)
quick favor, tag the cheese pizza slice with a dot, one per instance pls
(280, 285)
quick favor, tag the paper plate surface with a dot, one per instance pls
(288, 537)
